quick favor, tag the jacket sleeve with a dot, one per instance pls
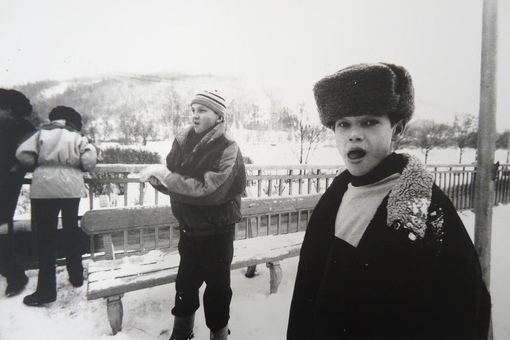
(88, 155)
(28, 152)
(215, 187)
(459, 302)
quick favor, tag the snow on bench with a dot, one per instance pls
(111, 278)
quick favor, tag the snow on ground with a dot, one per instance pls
(255, 314)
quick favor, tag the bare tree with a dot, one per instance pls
(126, 127)
(175, 110)
(428, 135)
(98, 129)
(465, 132)
(308, 135)
(145, 128)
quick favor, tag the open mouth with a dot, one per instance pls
(356, 154)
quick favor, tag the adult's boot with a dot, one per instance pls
(183, 328)
(221, 334)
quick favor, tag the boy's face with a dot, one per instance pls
(203, 118)
(364, 141)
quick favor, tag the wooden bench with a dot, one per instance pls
(152, 263)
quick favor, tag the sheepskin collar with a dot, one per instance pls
(409, 200)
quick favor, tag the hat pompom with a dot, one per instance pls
(360, 89)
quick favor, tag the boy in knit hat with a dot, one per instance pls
(205, 178)
(58, 153)
(385, 255)
(14, 108)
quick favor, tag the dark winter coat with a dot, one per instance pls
(12, 131)
(415, 273)
(206, 183)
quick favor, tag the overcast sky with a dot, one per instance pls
(290, 44)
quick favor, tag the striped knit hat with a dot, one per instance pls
(212, 100)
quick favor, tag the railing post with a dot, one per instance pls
(290, 182)
(125, 176)
(259, 184)
(318, 180)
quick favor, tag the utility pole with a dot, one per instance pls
(487, 142)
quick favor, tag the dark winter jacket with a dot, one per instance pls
(207, 182)
(12, 131)
(415, 273)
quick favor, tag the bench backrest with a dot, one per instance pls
(144, 228)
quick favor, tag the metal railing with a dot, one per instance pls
(119, 185)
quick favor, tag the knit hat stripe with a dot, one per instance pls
(211, 100)
(210, 97)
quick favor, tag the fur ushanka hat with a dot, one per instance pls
(71, 116)
(365, 89)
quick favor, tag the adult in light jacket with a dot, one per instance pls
(58, 153)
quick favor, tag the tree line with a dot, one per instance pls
(136, 109)
(461, 134)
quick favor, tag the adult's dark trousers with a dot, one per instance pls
(46, 213)
(205, 259)
(9, 265)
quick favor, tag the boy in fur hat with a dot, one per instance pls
(58, 153)
(385, 255)
(205, 178)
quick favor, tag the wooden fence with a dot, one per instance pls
(119, 184)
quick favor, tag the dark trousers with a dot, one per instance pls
(9, 266)
(205, 259)
(46, 216)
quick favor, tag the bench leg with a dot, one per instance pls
(275, 276)
(250, 271)
(115, 312)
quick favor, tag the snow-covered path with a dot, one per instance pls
(255, 314)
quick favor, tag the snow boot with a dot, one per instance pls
(16, 286)
(221, 334)
(183, 328)
(37, 299)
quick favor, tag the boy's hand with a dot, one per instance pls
(155, 174)
(154, 181)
